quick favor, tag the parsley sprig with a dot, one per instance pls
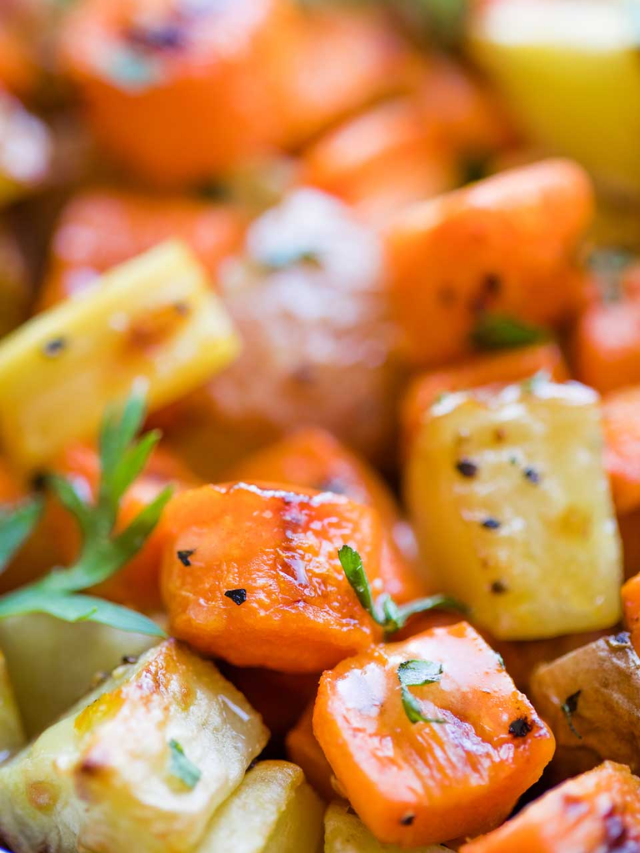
(103, 551)
(385, 611)
(416, 673)
(181, 767)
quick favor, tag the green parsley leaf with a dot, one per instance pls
(569, 708)
(103, 552)
(385, 612)
(181, 767)
(416, 673)
(16, 525)
(500, 331)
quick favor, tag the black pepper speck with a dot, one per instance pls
(54, 347)
(183, 556)
(467, 468)
(520, 727)
(491, 524)
(532, 475)
(238, 596)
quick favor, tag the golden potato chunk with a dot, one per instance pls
(154, 317)
(513, 510)
(344, 832)
(141, 765)
(273, 811)
(11, 732)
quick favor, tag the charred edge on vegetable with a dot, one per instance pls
(620, 641)
(498, 587)
(490, 523)
(238, 596)
(466, 468)
(569, 708)
(532, 475)
(54, 347)
(407, 819)
(520, 727)
(184, 556)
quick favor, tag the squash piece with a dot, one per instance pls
(597, 812)
(590, 698)
(141, 764)
(273, 811)
(153, 317)
(251, 574)
(344, 832)
(513, 510)
(446, 758)
(11, 730)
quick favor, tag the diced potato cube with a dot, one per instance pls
(344, 832)
(141, 765)
(273, 811)
(53, 664)
(154, 317)
(513, 509)
(11, 733)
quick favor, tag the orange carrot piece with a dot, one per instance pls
(315, 459)
(596, 812)
(425, 782)
(508, 366)
(505, 245)
(102, 228)
(621, 425)
(631, 609)
(305, 751)
(251, 574)
(606, 345)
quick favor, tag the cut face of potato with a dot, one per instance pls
(153, 318)
(11, 732)
(53, 664)
(344, 832)
(273, 811)
(591, 700)
(141, 764)
(513, 510)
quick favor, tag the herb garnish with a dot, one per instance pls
(569, 708)
(385, 612)
(500, 331)
(103, 551)
(416, 673)
(16, 525)
(181, 767)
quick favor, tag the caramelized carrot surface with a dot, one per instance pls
(251, 574)
(606, 345)
(425, 782)
(315, 459)
(102, 228)
(597, 812)
(507, 245)
(621, 425)
(508, 366)
(631, 609)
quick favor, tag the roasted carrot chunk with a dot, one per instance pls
(606, 345)
(305, 751)
(314, 459)
(631, 609)
(178, 92)
(621, 425)
(429, 738)
(506, 245)
(251, 573)
(502, 367)
(102, 228)
(597, 812)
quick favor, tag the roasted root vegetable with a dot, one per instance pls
(315, 459)
(344, 832)
(398, 724)
(593, 813)
(251, 574)
(606, 345)
(590, 699)
(631, 608)
(504, 247)
(512, 365)
(621, 424)
(303, 749)
(273, 811)
(153, 317)
(11, 730)
(513, 511)
(143, 763)
(101, 228)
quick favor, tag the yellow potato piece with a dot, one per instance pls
(153, 319)
(273, 811)
(344, 832)
(104, 778)
(11, 732)
(570, 74)
(513, 510)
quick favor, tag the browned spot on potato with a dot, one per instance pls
(42, 795)
(156, 326)
(575, 522)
